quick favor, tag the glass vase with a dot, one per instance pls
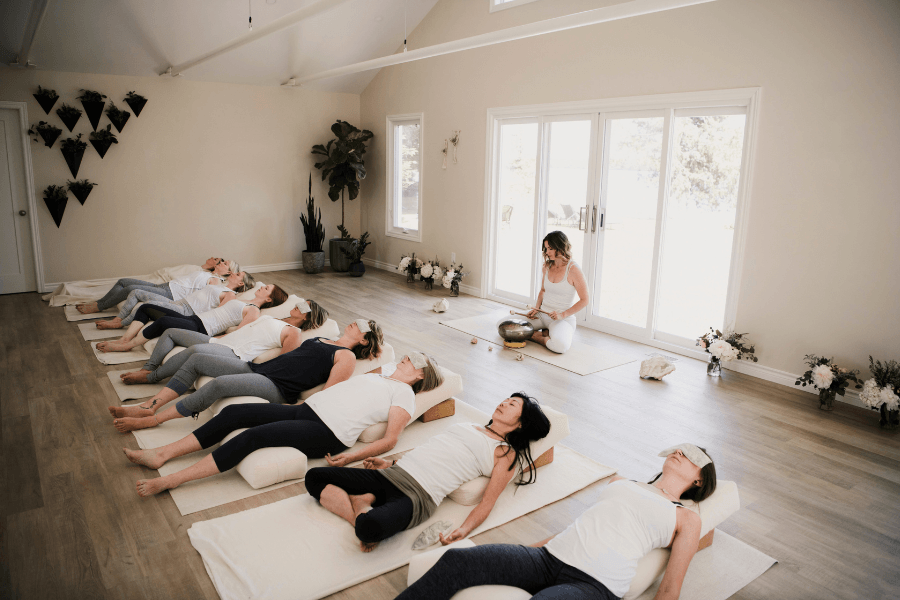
(410, 275)
(429, 283)
(890, 419)
(826, 399)
(714, 368)
(454, 288)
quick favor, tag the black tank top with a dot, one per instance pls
(300, 369)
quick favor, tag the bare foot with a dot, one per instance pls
(135, 377)
(362, 503)
(87, 309)
(130, 411)
(111, 324)
(146, 458)
(149, 487)
(114, 346)
(126, 424)
(367, 547)
(540, 338)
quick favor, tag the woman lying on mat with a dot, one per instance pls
(246, 343)
(230, 313)
(280, 381)
(554, 325)
(214, 270)
(329, 422)
(206, 298)
(596, 557)
(405, 493)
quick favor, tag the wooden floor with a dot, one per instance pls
(820, 492)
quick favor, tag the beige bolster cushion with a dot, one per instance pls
(420, 564)
(451, 386)
(471, 492)
(268, 466)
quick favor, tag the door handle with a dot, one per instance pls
(22, 213)
(594, 220)
(582, 221)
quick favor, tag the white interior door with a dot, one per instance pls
(16, 253)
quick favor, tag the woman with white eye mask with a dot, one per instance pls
(315, 362)
(327, 423)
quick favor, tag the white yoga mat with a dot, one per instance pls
(90, 332)
(719, 571)
(296, 550)
(77, 292)
(133, 392)
(230, 486)
(136, 354)
(72, 314)
(580, 358)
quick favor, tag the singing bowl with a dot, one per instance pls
(515, 329)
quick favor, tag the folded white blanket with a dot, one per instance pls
(78, 292)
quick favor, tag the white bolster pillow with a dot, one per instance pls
(268, 466)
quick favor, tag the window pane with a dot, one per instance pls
(699, 227)
(515, 236)
(632, 195)
(570, 151)
(406, 209)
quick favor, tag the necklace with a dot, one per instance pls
(502, 437)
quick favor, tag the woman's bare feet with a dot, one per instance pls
(110, 324)
(132, 411)
(135, 377)
(115, 346)
(540, 337)
(149, 487)
(147, 458)
(126, 424)
(360, 505)
(87, 309)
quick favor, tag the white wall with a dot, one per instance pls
(821, 269)
(207, 169)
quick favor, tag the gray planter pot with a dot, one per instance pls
(339, 261)
(313, 262)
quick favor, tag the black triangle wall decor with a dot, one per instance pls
(50, 134)
(46, 101)
(101, 146)
(94, 110)
(81, 189)
(56, 199)
(136, 102)
(73, 150)
(69, 115)
(117, 117)
(73, 159)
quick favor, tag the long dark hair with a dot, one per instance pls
(276, 298)
(533, 425)
(557, 241)
(707, 482)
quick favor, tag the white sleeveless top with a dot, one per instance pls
(558, 296)
(253, 339)
(219, 319)
(608, 539)
(204, 299)
(450, 459)
(183, 286)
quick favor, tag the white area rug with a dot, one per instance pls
(718, 572)
(296, 550)
(136, 354)
(72, 314)
(90, 332)
(230, 486)
(580, 358)
(133, 392)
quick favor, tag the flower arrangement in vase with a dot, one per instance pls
(452, 276)
(410, 264)
(723, 347)
(828, 378)
(429, 271)
(880, 392)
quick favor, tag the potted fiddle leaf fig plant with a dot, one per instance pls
(55, 198)
(81, 188)
(69, 115)
(343, 166)
(136, 102)
(93, 103)
(103, 139)
(46, 131)
(73, 151)
(117, 116)
(355, 254)
(314, 231)
(46, 98)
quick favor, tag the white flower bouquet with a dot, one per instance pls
(429, 271)
(828, 378)
(723, 347)
(452, 277)
(881, 391)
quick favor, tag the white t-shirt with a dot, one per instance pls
(350, 406)
(255, 338)
(183, 286)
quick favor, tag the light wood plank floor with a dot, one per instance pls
(820, 491)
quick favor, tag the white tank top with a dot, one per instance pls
(450, 459)
(219, 319)
(558, 296)
(253, 339)
(204, 299)
(608, 539)
(183, 286)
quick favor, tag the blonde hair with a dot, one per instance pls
(247, 282)
(315, 318)
(375, 338)
(432, 377)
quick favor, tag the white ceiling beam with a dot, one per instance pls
(259, 33)
(591, 17)
(38, 10)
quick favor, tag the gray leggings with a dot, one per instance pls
(232, 377)
(136, 296)
(194, 341)
(122, 287)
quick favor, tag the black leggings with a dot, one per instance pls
(271, 426)
(391, 512)
(534, 570)
(166, 318)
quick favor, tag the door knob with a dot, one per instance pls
(22, 213)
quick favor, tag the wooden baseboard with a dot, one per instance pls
(707, 540)
(447, 408)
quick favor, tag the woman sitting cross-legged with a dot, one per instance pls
(214, 270)
(247, 342)
(230, 313)
(399, 495)
(280, 380)
(328, 422)
(596, 557)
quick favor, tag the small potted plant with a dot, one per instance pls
(881, 392)
(103, 139)
(429, 271)
(313, 257)
(93, 103)
(136, 102)
(452, 278)
(45, 130)
(117, 116)
(409, 264)
(355, 254)
(55, 198)
(69, 115)
(723, 347)
(46, 98)
(828, 378)
(73, 151)
(81, 188)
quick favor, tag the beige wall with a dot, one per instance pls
(207, 169)
(820, 273)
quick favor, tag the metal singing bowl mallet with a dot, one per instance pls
(514, 331)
